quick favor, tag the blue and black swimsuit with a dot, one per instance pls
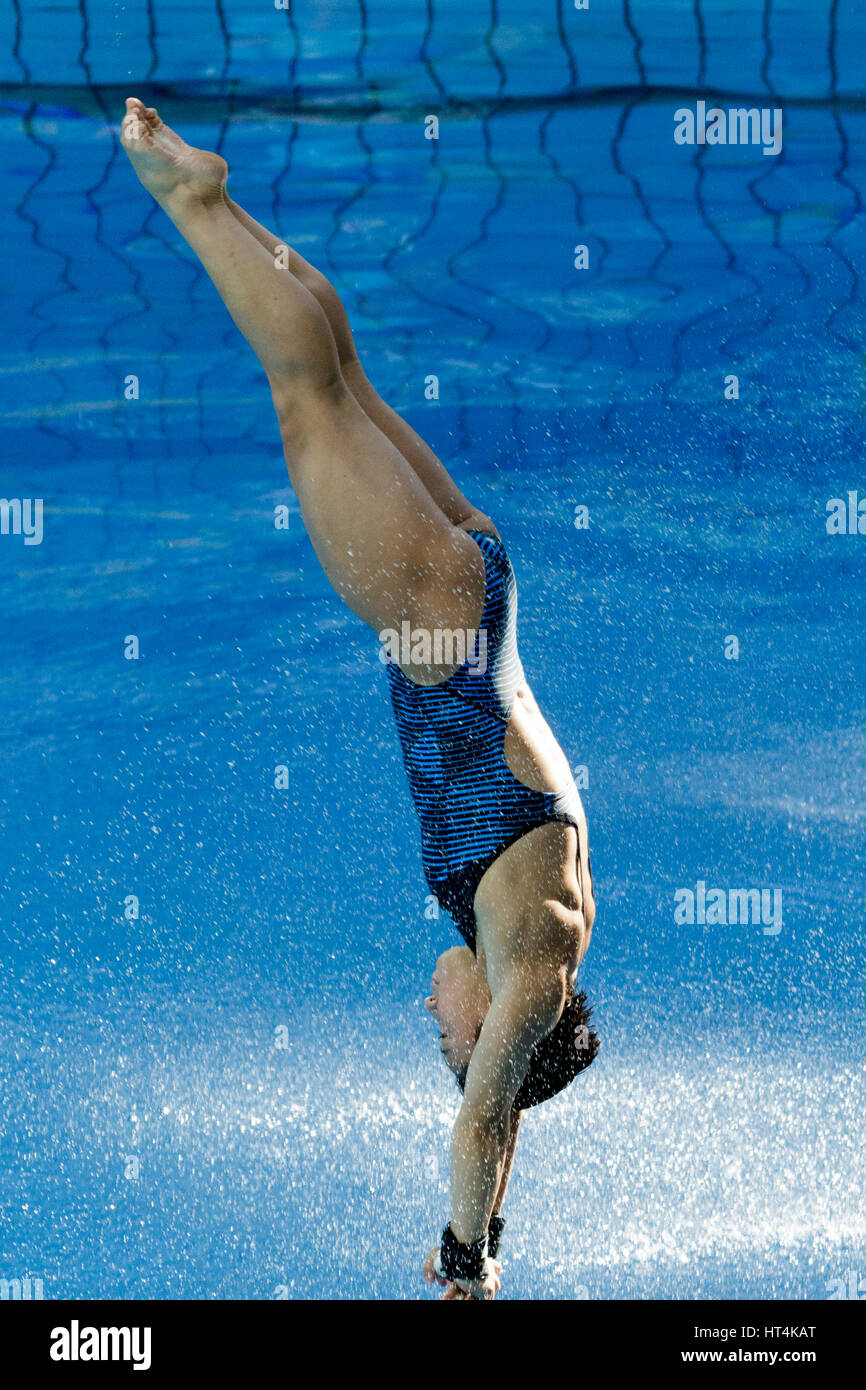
(470, 804)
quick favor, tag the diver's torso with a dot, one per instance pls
(483, 765)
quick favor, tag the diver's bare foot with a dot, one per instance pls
(167, 166)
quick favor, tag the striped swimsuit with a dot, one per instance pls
(470, 804)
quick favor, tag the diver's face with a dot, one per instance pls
(458, 1003)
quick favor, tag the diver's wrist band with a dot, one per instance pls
(458, 1261)
(495, 1227)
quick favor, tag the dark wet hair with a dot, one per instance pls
(568, 1049)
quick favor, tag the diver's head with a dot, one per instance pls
(459, 1005)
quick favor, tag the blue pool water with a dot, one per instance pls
(237, 1094)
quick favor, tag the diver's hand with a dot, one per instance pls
(481, 1290)
(429, 1270)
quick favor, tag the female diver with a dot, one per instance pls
(504, 836)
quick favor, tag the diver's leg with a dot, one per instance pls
(385, 545)
(414, 449)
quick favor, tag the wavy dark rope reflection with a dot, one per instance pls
(151, 41)
(370, 177)
(122, 419)
(832, 44)
(700, 320)
(109, 326)
(652, 273)
(490, 45)
(296, 52)
(766, 31)
(637, 41)
(774, 216)
(341, 208)
(464, 436)
(840, 175)
(431, 220)
(565, 42)
(155, 214)
(754, 329)
(491, 327)
(369, 173)
(411, 241)
(39, 303)
(16, 45)
(702, 43)
(423, 51)
(573, 363)
(113, 377)
(233, 345)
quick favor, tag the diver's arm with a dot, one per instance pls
(478, 1149)
(522, 1012)
(514, 1126)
